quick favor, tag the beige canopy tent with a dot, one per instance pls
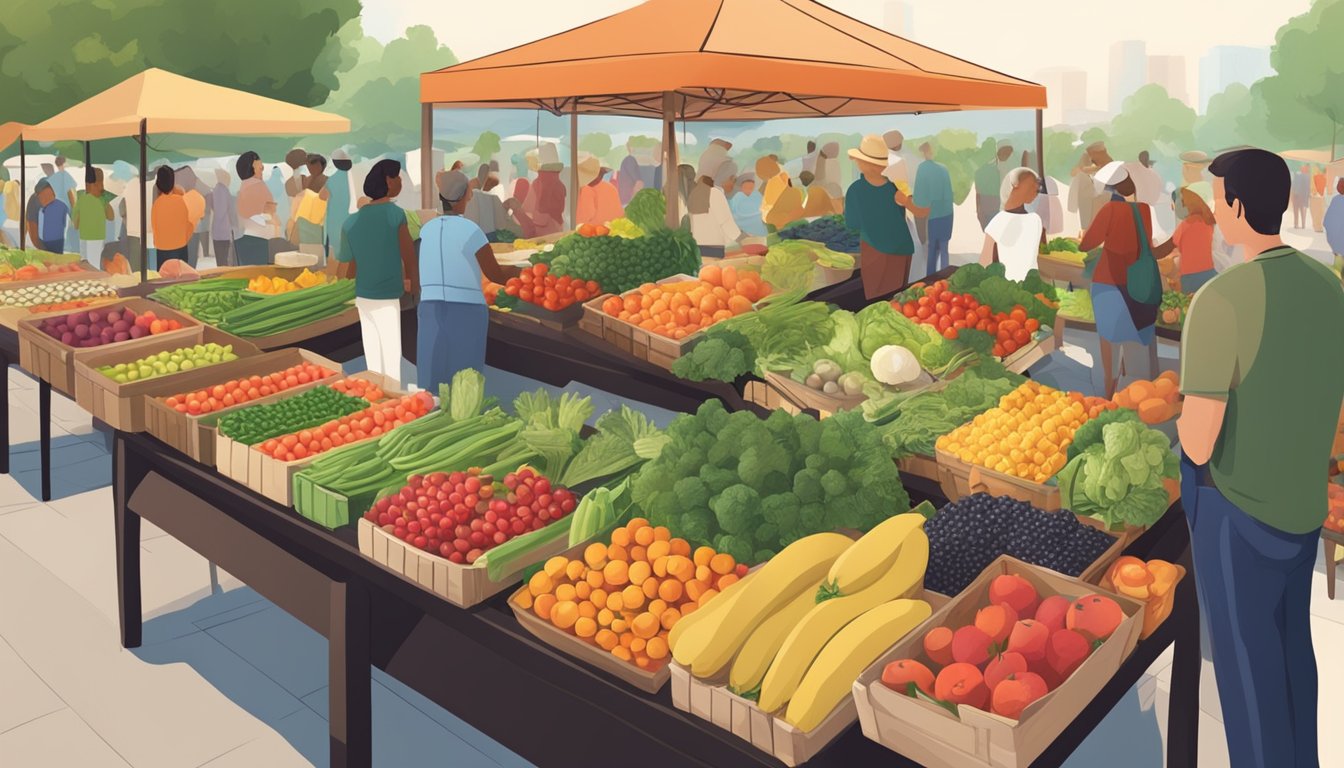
(721, 60)
(163, 102)
(9, 133)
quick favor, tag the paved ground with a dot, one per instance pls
(227, 679)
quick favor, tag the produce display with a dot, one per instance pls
(1175, 306)
(1334, 519)
(462, 515)
(287, 311)
(773, 336)
(1026, 435)
(625, 595)
(96, 327)
(1155, 401)
(205, 300)
(1019, 648)
(791, 265)
(274, 285)
(795, 633)
(647, 210)
(912, 425)
(164, 363)
(66, 306)
(1064, 249)
(239, 391)
(619, 264)
(18, 264)
(1152, 583)
(625, 228)
(55, 292)
(372, 421)
(988, 285)
(950, 313)
(592, 230)
(1077, 305)
(535, 285)
(830, 231)
(1124, 476)
(678, 309)
(969, 534)
(257, 423)
(749, 486)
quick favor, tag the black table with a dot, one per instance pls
(373, 617)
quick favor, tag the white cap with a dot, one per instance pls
(1112, 173)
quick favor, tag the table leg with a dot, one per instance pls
(125, 477)
(350, 680)
(1183, 709)
(44, 417)
(1330, 566)
(4, 414)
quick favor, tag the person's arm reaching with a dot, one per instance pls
(492, 269)
(1096, 234)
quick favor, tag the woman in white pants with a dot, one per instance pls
(376, 249)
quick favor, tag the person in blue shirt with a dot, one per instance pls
(47, 217)
(1334, 221)
(746, 206)
(276, 184)
(63, 184)
(453, 317)
(933, 190)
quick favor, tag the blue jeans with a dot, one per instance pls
(940, 234)
(450, 338)
(1254, 584)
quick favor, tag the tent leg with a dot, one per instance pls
(23, 196)
(88, 163)
(1040, 146)
(670, 187)
(144, 202)
(574, 167)
(426, 156)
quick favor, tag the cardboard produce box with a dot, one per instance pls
(932, 736)
(960, 479)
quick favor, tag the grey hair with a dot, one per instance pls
(1012, 178)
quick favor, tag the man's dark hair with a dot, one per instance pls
(164, 179)
(316, 158)
(246, 165)
(1125, 187)
(343, 165)
(1260, 181)
(375, 184)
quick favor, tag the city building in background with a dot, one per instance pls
(1169, 72)
(1067, 87)
(1129, 71)
(1224, 65)
(899, 18)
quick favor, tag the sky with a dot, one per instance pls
(1019, 38)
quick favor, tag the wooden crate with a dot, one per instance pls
(54, 362)
(593, 321)
(461, 585)
(1042, 345)
(303, 333)
(559, 321)
(769, 732)
(267, 475)
(766, 396)
(919, 466)
(802, 396)
(194, 435)
(1055, 270)
(122, 406)
(645, 345)
(932, 736)
(960, 479)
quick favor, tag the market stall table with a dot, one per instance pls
(372, 616)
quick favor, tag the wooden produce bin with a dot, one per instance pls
(638, 342)
(54, 362)
(932, 736)
(461, 585)
(296, 336)
(559, 321)
(802, 396)
(194, 435)
(919, 466)
(122, 406)
(769, 732)
(960, 479)
(593, 321)
(267, 475)
(1057, 270)
(1040, 347)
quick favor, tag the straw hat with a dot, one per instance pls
(548, 158)
(589, 168)
(1195, 157)
(872, 150)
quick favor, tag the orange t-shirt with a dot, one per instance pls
(171, 225)
(1194, 238)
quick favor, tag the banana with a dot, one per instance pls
(871, 556)
(798, 566)
(860, 643)
(825, 619)
(754, 659)
(685, 635)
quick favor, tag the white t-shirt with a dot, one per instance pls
(1018, 236)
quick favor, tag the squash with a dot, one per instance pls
(1140, 391)
(1154, 410)
(1153, 583)
(117, 265)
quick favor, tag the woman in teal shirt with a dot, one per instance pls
(377, 251)
(876, 208)
(452, 316)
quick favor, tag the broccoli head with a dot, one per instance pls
(737, 509)
(738, 546)
(717, 479)
(807, 486)
(834, 485)
(691, 493)
(697, 526)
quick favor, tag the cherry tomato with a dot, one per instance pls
(998, 350)
(1019, 314)
(957, 312)
(942, 307)
(1033, 325)
(950, 333)
(1009, 347)
(958, 300)
(910, 309)
(924, 312)
(925, 301)
(982, 310)
(1021, 336)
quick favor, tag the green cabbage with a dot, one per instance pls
(1119, 480)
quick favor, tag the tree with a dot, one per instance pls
(768, 145)
(1237, 116)
(380, 94)
(596, 144)
(486, 146)
(1305, 98)
(1061, 152)
(1153, 121)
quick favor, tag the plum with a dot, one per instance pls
(113, 317)
(121, 326)
(137, 331)
(68, 339)
(122, 336)
(95, 316)
(82, 331)
(76, 318)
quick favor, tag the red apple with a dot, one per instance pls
(1015, 591)
(970, 645)
(960, 683)
(1065, 651)
(900, 673)
(938, 646)
(1052, 612)
(1016, 693)
(1002, 666)
(1095, 616)
(1029, 638)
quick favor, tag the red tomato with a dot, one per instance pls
(982, 310)
(957, 312)
(1019, 314)
(541, 269)
(511, 289)
(958, 300)
(1021, 336)
(950, 333)
(1009, 347)
(924, 312)
(593, 287)
(998, 350)
(945, 296)
(925, 301)
(944, 323)
(910, 309)
(1003, 334)
(942, 307)
(1033, 324)
(959, 324)
(525, 295)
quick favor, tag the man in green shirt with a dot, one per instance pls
(1262, 360)
(93, 209)
(876, 209)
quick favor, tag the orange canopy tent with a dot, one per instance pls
(721, 60)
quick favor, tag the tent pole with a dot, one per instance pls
(88, 163)
(23, 194)
(144, 202)
(1040, 146)
(426, 156)
(574, 167)
(670, 185)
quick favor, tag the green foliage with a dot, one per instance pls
(597, 144)
(722, 357)
(1306, 95)
(620, 265)
(648, 210)
(486, 146)
(1118, 480)
(1154, 121)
